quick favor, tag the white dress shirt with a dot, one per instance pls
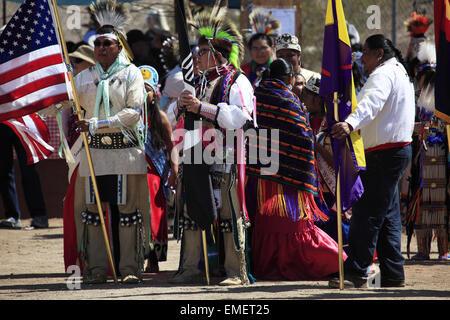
(386, 106)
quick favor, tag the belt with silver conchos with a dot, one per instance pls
(109, 141)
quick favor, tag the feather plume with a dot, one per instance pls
(219, 27)
(427, 57)
(417, 24)
(426, 99)
(219, 8)
(427, 53)
(108, 12)
(263, 22)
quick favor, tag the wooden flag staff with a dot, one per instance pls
(339, 208)
(86, 146)
(205, 255)
(448, 136)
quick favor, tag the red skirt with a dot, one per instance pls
(286, 250)
(158, 213)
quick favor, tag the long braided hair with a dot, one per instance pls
(379, 41)
(156, 126)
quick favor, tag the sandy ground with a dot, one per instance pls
(32, 268)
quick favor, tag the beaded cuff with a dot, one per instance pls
(209, 111)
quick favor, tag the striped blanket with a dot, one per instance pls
(279, 108)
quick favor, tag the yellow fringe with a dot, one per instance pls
(212, 233)
(283, 210)
(303, 214)
(275, 204)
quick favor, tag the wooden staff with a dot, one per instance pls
(339, 209)
(86, 146)
(205, 255)
(448, 136)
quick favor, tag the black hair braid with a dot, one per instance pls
(379, 41)
(156, 126)
(398, 55)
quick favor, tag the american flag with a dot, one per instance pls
(34, 135)
(33, 74)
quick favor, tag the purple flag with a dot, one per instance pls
(337, 77)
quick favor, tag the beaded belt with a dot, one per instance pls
(109, 141)
(226, 225)
(187, 224)
(126, 219)
(88, 217)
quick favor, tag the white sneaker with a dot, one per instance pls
(11, 223)
(374, 277)
(232, 281)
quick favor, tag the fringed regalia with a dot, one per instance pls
(427, 209)
(286, 244)
(326, 199)
(227, 103)
(113, 102)
(278, 108)
(427, 200)
(230, 223)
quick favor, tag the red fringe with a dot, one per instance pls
(272, 202)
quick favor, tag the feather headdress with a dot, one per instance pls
(425, 102)
(220, 31)
(108, 13)
(417, 24)
(427, 52)
(263, 22)
(427, 57)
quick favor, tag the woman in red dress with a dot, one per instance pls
(286, 244)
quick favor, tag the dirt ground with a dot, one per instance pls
(32, 268)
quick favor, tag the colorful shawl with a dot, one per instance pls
(277, 107)
(254, 71)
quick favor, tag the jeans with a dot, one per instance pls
(30, 177)
(376, 221)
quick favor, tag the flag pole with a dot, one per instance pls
(86, 145)
(339, 208)
(205, 254)
(448, 136)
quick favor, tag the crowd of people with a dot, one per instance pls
(255, 226)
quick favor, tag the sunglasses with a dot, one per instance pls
(106, 43)
(201, 52)
(194, 50)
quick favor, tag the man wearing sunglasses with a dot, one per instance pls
(111, 94)
(224, 101)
